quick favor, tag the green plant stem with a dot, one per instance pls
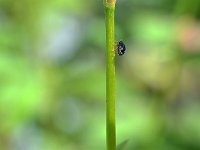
(110, 77)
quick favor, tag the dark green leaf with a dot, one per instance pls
(122, 145)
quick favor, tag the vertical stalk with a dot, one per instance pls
(109, 6)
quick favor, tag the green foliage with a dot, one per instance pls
(52, 75)
(122, 145)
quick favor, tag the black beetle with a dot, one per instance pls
(120, 47)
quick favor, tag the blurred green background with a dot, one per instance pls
(52, 74)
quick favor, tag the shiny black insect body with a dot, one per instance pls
(120, 47)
